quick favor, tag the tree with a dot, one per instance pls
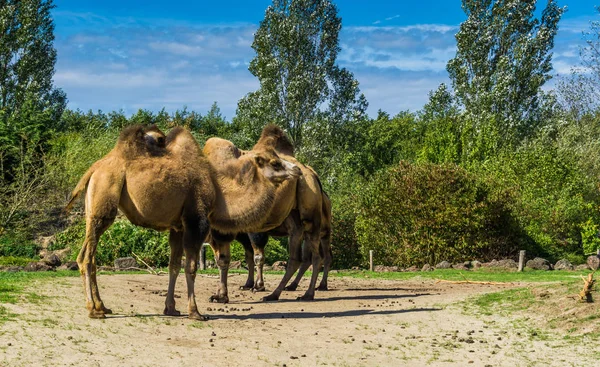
(503, 58)
(30, 106)
(580, 92)
(296, 47)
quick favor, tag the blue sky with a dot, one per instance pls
(148, 54)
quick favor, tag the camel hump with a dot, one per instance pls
(221, 149)
(140, 140)
(181, 141)
(274, 136)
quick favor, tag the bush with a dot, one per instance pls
(17, 245)
(120, 240)
(416, 214)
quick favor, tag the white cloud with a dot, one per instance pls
(176, 48)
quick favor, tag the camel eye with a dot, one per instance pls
(275, 163)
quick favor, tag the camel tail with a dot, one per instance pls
(80, 188)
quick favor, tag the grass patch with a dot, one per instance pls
(12, 284)
(505, 302)
(15, 261)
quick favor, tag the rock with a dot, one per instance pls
(563, 264)
(503, 264)
(539, 264)
(123, 263)
(475, 264)
(355, 268)
(593, 262)
(51, 260)
(210, 264)
(235, 264)
(45, 241)
(385, 269)
(443, 265)
(267, 268)
(279, 265)
(582, 267)
(37, 266)
(427, 267)
(63, 254)
(69, 265)
(412, 268)
(462, 266)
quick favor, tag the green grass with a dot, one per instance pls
(12, 284)
(505, 302)
(15, 261)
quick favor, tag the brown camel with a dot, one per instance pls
(255, 243)
(297, 206)
(166, 184)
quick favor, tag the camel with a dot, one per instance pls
(165, 183)
(298, 207)
(256, 242)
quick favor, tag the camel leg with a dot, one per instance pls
(306, 256)
(326, 246)
(316, 263)
(176, 244)
(221, 246)
(249, 255)
(193, 236)
(86, 260)
(259, 241)
(294, 262)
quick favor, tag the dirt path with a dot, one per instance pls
(358, 323)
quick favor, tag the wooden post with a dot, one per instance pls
(203, 257)
(371, 260)
(521, 260)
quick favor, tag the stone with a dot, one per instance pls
(593, 262)
(45, 241)
(539, 264)
(462, 266)
(235, 264)
(51, 260)
(412, 268)
(582, 267)
(279, 265)
(443, 265)
(427, 267)
(563, 264)
(69, 265)
(11, 268)
(384, 269)
(475, 264)
(124, 263)
(37, 266)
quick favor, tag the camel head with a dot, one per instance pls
(273, 167)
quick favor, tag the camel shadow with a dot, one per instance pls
(371, 297)
(316, 315)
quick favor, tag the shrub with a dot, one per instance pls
(416, 214)
(17, 245)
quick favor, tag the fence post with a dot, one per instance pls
(371, 260)
(521, 260)
(203, 256)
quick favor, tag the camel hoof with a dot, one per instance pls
(291, 287)
(246, 288)
(198, 317)
(258, 289)
(270, 297)
(107, 311)
(322, 288)
(168, 312)
(96, 314)
(306, 297)
(218, 299)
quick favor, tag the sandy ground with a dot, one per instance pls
(359, 322)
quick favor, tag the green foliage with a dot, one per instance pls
(120, 240)
(17, 245)
(16, 261)
(416, 214)
(589, 237)
(503, 58)
(296, 47)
